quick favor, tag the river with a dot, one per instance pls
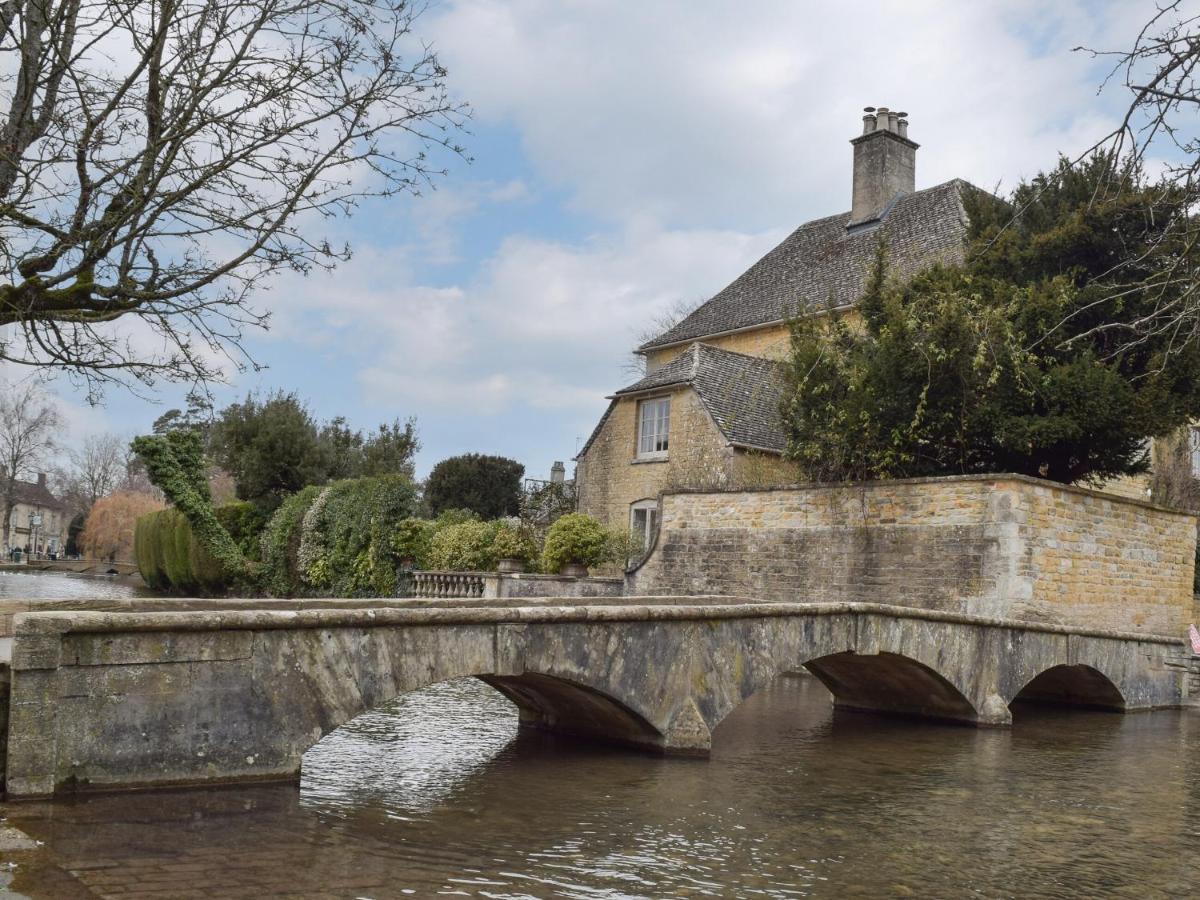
(439, 795)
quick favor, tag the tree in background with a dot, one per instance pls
(99, 466)
(273, 447)
(29, 430)
(489, 486)
(161, 161)
(1001, 364)
(108, 531)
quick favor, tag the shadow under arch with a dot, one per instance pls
(891, 684)
(1079, 685)
(555, 704)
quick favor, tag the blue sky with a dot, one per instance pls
(628, 158)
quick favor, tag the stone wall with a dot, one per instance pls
(770, 342)
(610, 477)
(1003, 546)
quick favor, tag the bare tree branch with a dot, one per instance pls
(162, 159)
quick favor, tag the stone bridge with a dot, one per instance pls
(131, 699)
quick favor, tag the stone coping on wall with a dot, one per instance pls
(632, 609)
(1043, 483)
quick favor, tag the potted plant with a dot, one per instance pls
(574, 543)
(513, 548)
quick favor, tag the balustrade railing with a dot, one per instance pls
(465, 585)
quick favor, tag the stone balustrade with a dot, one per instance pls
(468, 585)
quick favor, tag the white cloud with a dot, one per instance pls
(739, 113)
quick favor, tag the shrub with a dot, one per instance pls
(280, 544)
(575, 538)
(346, 545)
(245, 523)
(411, 540)
(147, 553)
(513, 542)
(466, 547)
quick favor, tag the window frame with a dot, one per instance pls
(651, 519)
(659, 421)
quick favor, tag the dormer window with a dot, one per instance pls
(654, 426)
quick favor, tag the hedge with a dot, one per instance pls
(170, 558)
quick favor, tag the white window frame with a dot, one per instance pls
(1194, 446)
(649, 516)
(655, 412)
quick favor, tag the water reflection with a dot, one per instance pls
(67, 586)
(438, 795)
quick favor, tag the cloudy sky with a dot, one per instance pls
(630, 156)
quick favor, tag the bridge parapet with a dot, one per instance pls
(1004, 546)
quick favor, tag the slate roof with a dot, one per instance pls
(742, 393)
(33, 493)
(822, 261)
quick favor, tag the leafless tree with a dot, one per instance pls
(1158, 133)
(99, 466)
(29, 428)
(159, 159)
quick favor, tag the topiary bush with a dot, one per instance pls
(466, 547)
(575, 538)
(279, 545)
(346, 546)
(245, 522)
(147, 552)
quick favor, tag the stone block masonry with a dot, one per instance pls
(1004, 546)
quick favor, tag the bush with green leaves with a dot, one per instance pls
(578, 539)
(245, 523)
(411, 541)
(512, 541)
(279, 545)
(346, 546)
(171, 558)
(466, 547)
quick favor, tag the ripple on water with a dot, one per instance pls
(438, 794)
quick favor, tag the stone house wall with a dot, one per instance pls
(1002, 546)
(610, 477)
(770, 343)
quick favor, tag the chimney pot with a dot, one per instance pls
(558, 472)
(868, 124)
(41, 479)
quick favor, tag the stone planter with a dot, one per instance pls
(510, 566)
(574, 570)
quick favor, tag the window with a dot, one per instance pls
(654, 424)
(643, 521)
(1194, 435)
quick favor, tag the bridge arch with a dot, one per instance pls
(891, 683)
(1072, 685)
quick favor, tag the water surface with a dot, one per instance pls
(438, 795)
(68, 586)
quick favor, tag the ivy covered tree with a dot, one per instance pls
(1011, 361)
(489, 486)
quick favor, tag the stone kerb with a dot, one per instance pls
(1005, 546)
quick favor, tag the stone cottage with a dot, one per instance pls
(706, 412)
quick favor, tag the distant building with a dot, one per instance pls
(38, 519)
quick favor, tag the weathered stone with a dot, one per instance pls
(150, 709)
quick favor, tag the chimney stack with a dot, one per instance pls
(885, 163)
(558, 473)
(41, 479)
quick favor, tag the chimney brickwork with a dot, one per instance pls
(885, 163)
